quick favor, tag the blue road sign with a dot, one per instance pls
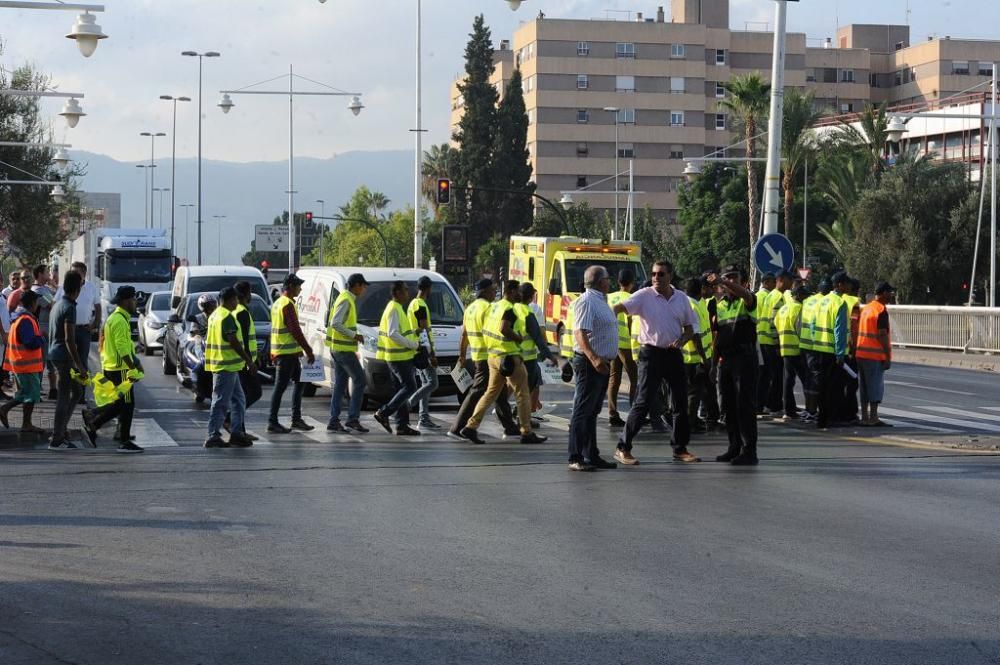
(774, 253)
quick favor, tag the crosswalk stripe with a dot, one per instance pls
(928, 428)
(926, 387)
(954, 422)
(149, 434)
(966, 413)
(991, 408)
(320, 435)
(261, 441)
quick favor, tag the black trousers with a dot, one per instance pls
(701, 392)
(123, 409)
(849, 400)
(657, 365)
(828, 384)
(738, 385)
(288, 371)
(480, 381)
(769, 378)
(795, 367)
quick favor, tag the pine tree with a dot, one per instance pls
(511, 165)
(475, 135)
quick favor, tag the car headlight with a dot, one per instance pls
(155, 325)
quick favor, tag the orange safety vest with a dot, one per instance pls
(21, 359)
(869, 346)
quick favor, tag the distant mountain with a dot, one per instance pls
(247, 193)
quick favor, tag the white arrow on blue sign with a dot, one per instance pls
(774, 253)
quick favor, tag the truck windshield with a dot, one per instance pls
(445, 308)
(138, 268)
(576, 268)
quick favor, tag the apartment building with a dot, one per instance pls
(664, 76)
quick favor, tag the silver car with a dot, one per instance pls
(153, 320)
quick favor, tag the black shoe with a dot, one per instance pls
(511, 431)
(336, 427)
(240, 440)
(728, 456)
(531, 437)
(406, 430)
(744, 459)
(277, 428)
(62, 445)
(130, 448)
(302, 426)
(383, 420)
(356, 426)
(615, 420)
(472, 435)
(600, 463)
(91, 435)
(214, 442)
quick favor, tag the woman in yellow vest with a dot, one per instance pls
(287, 346)
(397, 346)
(224, 358)
(342, 339)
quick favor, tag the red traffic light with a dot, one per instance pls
(309, 217)
(444, 191)
(265, 264)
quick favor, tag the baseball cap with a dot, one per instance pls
(292, 280)
(840, 278)
(356, 279)
(123, 293)
(884, 287)
(483, 284)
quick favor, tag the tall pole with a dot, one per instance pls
(198, 221)
(291, 170)
(173, 183)
(145, 197)
(805, 216)
(152, 177)
(418, 220)
(993, 188)
(630, 214)
(772, 179)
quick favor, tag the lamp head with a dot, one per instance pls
(566, 201)
(226, 103)
(514, 4)
(58, 193)
(61, 159)
(895, 129)
(72, 111)
(87, 33)
(691, 172)
(355, 105)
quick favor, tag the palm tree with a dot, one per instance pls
(377, 202)
(747, 99)
(798, 143)
(871, 137)
(438, 161)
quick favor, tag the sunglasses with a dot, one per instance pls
(660, 274)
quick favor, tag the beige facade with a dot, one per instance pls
(664, 73)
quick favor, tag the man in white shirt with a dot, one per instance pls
(88, 312)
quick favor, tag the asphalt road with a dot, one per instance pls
(322, 549)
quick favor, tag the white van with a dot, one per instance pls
(323, 285)
(212, 279)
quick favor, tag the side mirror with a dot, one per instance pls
(174, 319)
(555, 288)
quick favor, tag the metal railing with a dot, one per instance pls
(975, 329)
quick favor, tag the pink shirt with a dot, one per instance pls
(662, 320)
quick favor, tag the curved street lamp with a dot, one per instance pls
(566, 201)
(691, 172)
(72, 111)
(61, 159)
(87, 33)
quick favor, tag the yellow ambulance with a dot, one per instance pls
(556, 265)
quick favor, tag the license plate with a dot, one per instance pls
(443, 370)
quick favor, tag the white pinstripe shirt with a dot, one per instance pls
(592, 314)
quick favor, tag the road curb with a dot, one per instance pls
(953, 360)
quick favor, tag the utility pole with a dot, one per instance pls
(772, 179)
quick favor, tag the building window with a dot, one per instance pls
(673, 184)
(960, 67)
(985, 69)
(626, 151)
(720, 56)
(847, 107)
(720, 90)
(582, 82)
(677, 118)
(582, 150)
(677, 50)
(873, 80)
(625, 83)
(676, 152)
(898, 78)
(531, 117)
(625, 50)
(720, 120)
(583, 48)
(626, 116)
(582, 115)
(676, 84)
(847, 76)
(581, 181)
(810, 76)
(528, 85)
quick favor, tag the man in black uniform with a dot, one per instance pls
(736, 347)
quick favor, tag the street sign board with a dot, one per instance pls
(270, 238)
(774, 253)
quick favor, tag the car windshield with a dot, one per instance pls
(160, 302)
(138, 268)
(215, 283)
(575, 270)
(258, 308)
(446, 310)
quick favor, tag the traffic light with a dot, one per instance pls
(264, 265)
(444, 191)
(309, 217)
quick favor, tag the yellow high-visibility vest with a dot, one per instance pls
(690, 351)
(529, 350)
(335, 341)
(388, 348)
(496, 343)
(251, 334)
(810, 307)
(219, 355)
(475, 317)
(787, 322)
(766, 335)
(566, 339)
(636, 326)
(823, 340)
(282, 341)
(624, 334)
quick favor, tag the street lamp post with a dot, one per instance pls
(173, 169)
(201, 57)
(219, 219)
(187, 207)
(615, 110)
(85, 31)
(152, 174)
(147, 207)
(162, 191)
(226, 104)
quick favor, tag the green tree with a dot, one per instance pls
(747, 101)
(798, 144)
(713, 210)
(868, 138)
(492, 256)
(511, 161)
(475, 135)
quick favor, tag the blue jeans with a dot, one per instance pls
(429, 383)
(588, 398)
(346, 366)
(404, 379)
(227, 395)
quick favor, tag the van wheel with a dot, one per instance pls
(309, 390)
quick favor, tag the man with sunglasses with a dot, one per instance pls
(668, 322)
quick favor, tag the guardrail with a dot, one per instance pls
(964, 329)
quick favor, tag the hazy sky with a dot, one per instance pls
(358, 45)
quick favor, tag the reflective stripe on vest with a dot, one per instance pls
(251, 334)
(475, 315)
(766, 334)
(869, 345)
(786, 323)
(624, 334)
(529, 350)
(334, 339)
(111, 360)
(636, 326)
(496, 343)
(823, 340)
(21, 359)
(388, 348)
(810, 307)
(282, 341)
(689, 351)
(219, 355)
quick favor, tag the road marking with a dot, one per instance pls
(261, 441)
(149, 434)
(926, 387)
(557, 422)
(929, 428)
(320, 435)
(991, 408)
(954, 422)
(965, 413)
